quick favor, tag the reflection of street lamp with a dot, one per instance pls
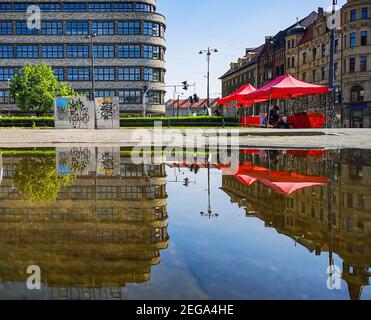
(209, 213)
(146, 89)
(297, 239)
(91, 37)
(208, 54)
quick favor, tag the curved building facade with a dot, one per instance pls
(128, 48)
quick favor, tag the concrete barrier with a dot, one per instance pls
(74, 113)
(108, 162)
(76, 161)
(107, 113)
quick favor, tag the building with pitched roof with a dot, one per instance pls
(183, 107)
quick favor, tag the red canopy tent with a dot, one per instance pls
(284, 87)
(283, 182)
(239, 95)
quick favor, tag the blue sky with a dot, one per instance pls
(229, 25)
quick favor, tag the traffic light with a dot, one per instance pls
(185, 85)
(186, 182)
(196, 99)
(190, 99)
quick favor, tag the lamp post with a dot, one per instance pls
(332, 47)
(331, 75)
(208, 53)
(145, 93)
(91, 37)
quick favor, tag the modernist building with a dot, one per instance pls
(128, 48)
(105, 229)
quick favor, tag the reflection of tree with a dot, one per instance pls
(37, 178)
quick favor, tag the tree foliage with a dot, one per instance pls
(37, 178)
(35, 87)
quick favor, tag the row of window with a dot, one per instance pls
(81, 52)
(80, 7)
(350, 66)
(147, 28)
(110, 74)
(247, 77)
(356, 14)
(353, 62)
(100, 74)
(125, 96)
(354, 40)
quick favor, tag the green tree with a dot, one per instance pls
(37, 178)
(35, 87)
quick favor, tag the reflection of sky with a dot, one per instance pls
(231, 257)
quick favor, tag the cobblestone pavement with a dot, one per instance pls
(320, 138)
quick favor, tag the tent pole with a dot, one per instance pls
(244, 114)
(269, 107)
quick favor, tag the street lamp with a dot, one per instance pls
(332, 61)
(332, 46)
(208, 53)
(145, 93)
(91, 37)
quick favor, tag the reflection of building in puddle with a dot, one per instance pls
(333, 218)
(105, 229)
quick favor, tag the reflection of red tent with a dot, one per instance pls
(282, 182)
(307, 153)
(240, 176)
(285, 87)
(239, 95)
(288, 188)
(296, 153)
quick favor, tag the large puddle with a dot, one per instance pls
(283, 224)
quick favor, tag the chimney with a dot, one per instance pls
(320, 11)
(268, 39)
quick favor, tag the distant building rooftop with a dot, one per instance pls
(185, 104)
(243, 62)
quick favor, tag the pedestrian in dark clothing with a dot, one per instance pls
(274, 116)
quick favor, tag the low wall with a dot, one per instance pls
(74, 113)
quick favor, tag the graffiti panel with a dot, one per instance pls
(108, 162)
(107, 113)
(79, 161)
(74, 113)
